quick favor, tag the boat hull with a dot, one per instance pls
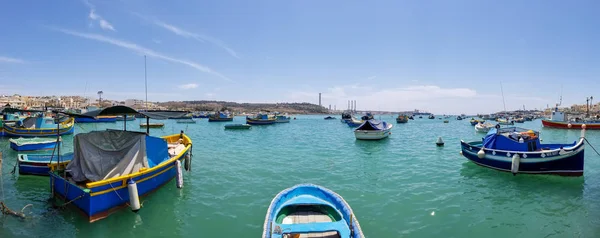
(371, 135)
(99, 119)
(260, 122)
(311, 195)
(238, 127)
(41, 164)
(100, 199)
(151, 125)
(220, 119)
(574, 125)
(12, 131)
(567, 163)
(33, 147)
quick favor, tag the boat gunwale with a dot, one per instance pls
(571, 148)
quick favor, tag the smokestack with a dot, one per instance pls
(348, 105)
(319, 99)
(329, 107)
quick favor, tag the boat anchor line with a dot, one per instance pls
(590, 144)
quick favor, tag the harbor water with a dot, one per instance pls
(403, 186)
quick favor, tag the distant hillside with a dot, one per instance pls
(292, 108)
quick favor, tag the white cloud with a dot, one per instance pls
(188, 34)
(424, 97)
(4, 59)
(141, 50)
(188, 86)
(104, 24)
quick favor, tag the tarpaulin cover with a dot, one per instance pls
(101, 155)
(373, 125)
(512, 139)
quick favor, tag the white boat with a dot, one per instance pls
(484, 127)
(373, 130)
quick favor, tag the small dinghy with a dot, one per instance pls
(402, 119)
(308, 210)
(329, 118)
(238, 126)
(484, 127)
(31, 144)
(373, 130)
(152, 125)
(519, 150)
(41, 164)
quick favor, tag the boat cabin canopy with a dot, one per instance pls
(373, 125)
(100, 155)
(513, 139)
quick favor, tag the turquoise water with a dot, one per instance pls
(403, 186)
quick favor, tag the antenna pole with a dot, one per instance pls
(503, 102)
(146, 83)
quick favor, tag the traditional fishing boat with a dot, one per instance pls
(31, 144)
(238, 126)
(367, 116)
(518, 150)
(40, 127)
(559, 120)
(355, 122)
(260, 119)
(282, 119)
(308, 210)
(152, 125)
(346, 117)
(220, 116)
(503, 121)
(98, 119)
(431, 116)
(484, 127)
(41, 164)
(128, 118)
(373, 130)
(112, 169)
(402, 119)
(519, 120)
(474, 121)
(186, 121)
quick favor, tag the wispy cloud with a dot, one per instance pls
(141, 50)
(188, 34)
(188, 86)
(4, 59)
(104, 24)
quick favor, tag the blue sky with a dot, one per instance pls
(441, 56)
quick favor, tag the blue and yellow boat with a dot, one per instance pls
(282, 119)
(308, 210)
(40, 127)
(98, 119)
(41, 164)
(220, 116)
(261, 119)
(32, 144)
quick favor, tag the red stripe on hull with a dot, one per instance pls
(574, 125)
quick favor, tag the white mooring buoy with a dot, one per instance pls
(439, 141)
(481, 153)
(516, 160)
(179, 175)
(134, 199)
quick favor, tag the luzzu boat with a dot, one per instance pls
(31, 144)
(402, 119)
(346, 117)
(98, 119)
(355, 122)
(282, 119)
(502, 121)
(40, 127)
(261, 119)
(559, 120)
(112, 169)
(41, 164)
(308, 210)
(518, 150)
(373, 130)
(220, 116)
(474, 121)
(484, 127)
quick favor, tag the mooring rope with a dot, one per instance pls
(591, 146)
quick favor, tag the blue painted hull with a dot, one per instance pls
(259, 122)
(17, 132)
(99, 202)
(32, 147)
(310, 195)
(40, 164)
(95, 120)
(219, 119)
(567, 163)
(352, 124)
